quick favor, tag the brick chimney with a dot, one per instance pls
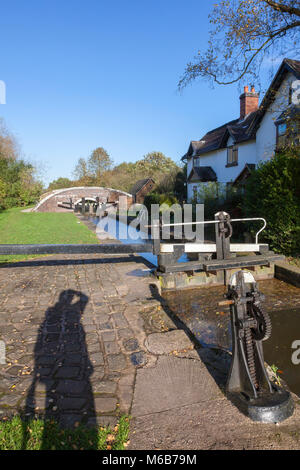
(248, 101)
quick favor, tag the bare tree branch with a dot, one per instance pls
(283, 8)
(243, 33)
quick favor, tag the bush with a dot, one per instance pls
(273, 192)
(220, 197)
(17, 184)
(155, 198)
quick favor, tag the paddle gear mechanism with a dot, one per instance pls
(248, 383)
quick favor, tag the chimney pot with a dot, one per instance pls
(246, 89)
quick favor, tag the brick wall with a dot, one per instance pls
(50, 203)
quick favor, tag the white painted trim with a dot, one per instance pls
(209, 247)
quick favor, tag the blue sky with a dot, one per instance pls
(83, 74)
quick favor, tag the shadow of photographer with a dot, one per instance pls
(61, 377)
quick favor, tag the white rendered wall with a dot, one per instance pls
(218, 161)
(266, 134)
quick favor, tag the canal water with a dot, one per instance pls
(210, 324)
(128, 234)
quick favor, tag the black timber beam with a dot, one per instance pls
(217, 265)
(105, 248)
(181, 267)
(241, 262)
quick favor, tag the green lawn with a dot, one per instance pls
(41, 227)
(16, 434)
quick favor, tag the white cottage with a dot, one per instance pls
(228, 153)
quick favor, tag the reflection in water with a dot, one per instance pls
(210, 324)
(278, 350)
(198, 310)
(129, 234)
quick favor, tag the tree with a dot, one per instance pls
(60, 183)
(243, 33)
(154, 165)
(18, 186)
(273, 192)
(98, 170)
(8, 144)
(180, 185)
(99, 162)
(81, 171)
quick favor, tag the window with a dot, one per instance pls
(196, 161)
(232, 155)
(288, 133)
(281, 135)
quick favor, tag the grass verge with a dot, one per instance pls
(18, 227)
(16, 434)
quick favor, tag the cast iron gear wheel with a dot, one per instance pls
(264, 327)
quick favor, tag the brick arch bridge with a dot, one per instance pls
(59, 199)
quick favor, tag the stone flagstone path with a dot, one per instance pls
(88, 340)
(72, 342)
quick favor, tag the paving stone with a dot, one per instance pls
(116, 362)
(9, 400)
(72, 403)
(36, 402)
(138, 358)
(14, 370)
(125, 333)
(120, 320)
(105, 404)
(90, 328)
(67, 372)
(125, 398)
(98, 373)
(108, 336)
(52, 337)
(131, 344)
(173, 382)
(97, 358)
(72, 347)
(105, 326)
(43, 372)
(73, 358)
(101, 318)
(47, 359)
(71, 387)
(164, 343)
(105, 387)
(122, 290)
(41, 387)
(111, 347)
(93, 348)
